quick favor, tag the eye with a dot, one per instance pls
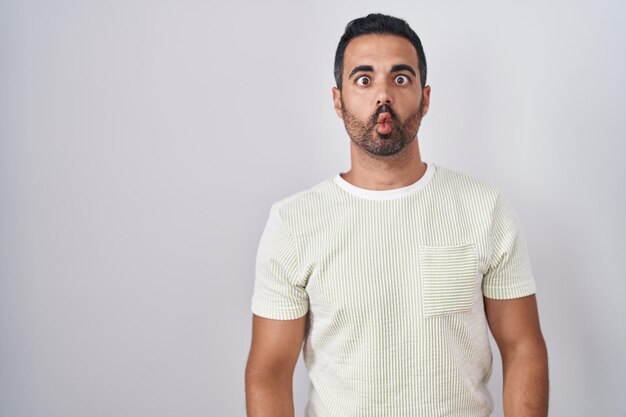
(402, 79)
(363, 80)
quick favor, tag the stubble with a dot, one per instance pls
(365, 136)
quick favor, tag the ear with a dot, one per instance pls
(425, 99)
(337, 102)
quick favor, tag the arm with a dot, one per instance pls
(273, 355)
(515, 328)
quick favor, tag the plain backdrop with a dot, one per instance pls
(142, 144)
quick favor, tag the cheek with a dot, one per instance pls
(357, 108)
(407, 106)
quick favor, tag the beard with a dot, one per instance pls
(365, 136)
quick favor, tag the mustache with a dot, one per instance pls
(385, 108)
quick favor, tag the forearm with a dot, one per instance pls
(526, 381)
(268, 395)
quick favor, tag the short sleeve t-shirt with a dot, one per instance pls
(393, 284)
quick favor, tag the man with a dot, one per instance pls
(392, 272)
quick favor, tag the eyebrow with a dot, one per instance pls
(403, 67)
(361, 68)
(395, 68)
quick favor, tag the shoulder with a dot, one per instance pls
(465, 186)
(302, 204)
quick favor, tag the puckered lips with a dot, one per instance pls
(383, 123)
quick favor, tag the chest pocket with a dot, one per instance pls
(448, 277)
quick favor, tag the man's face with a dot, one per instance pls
(381, 102)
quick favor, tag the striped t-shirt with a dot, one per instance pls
(393, 283)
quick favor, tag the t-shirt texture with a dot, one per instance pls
(393, 284)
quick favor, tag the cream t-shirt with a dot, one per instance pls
(393, 284)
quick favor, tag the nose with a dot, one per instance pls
(383, 97)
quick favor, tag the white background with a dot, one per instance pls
(143, 142)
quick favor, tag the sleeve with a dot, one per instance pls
(278, 292)
(509, 273)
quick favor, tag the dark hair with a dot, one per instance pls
(381, 24)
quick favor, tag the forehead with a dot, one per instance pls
(379, 48)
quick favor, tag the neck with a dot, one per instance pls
(385, 172)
